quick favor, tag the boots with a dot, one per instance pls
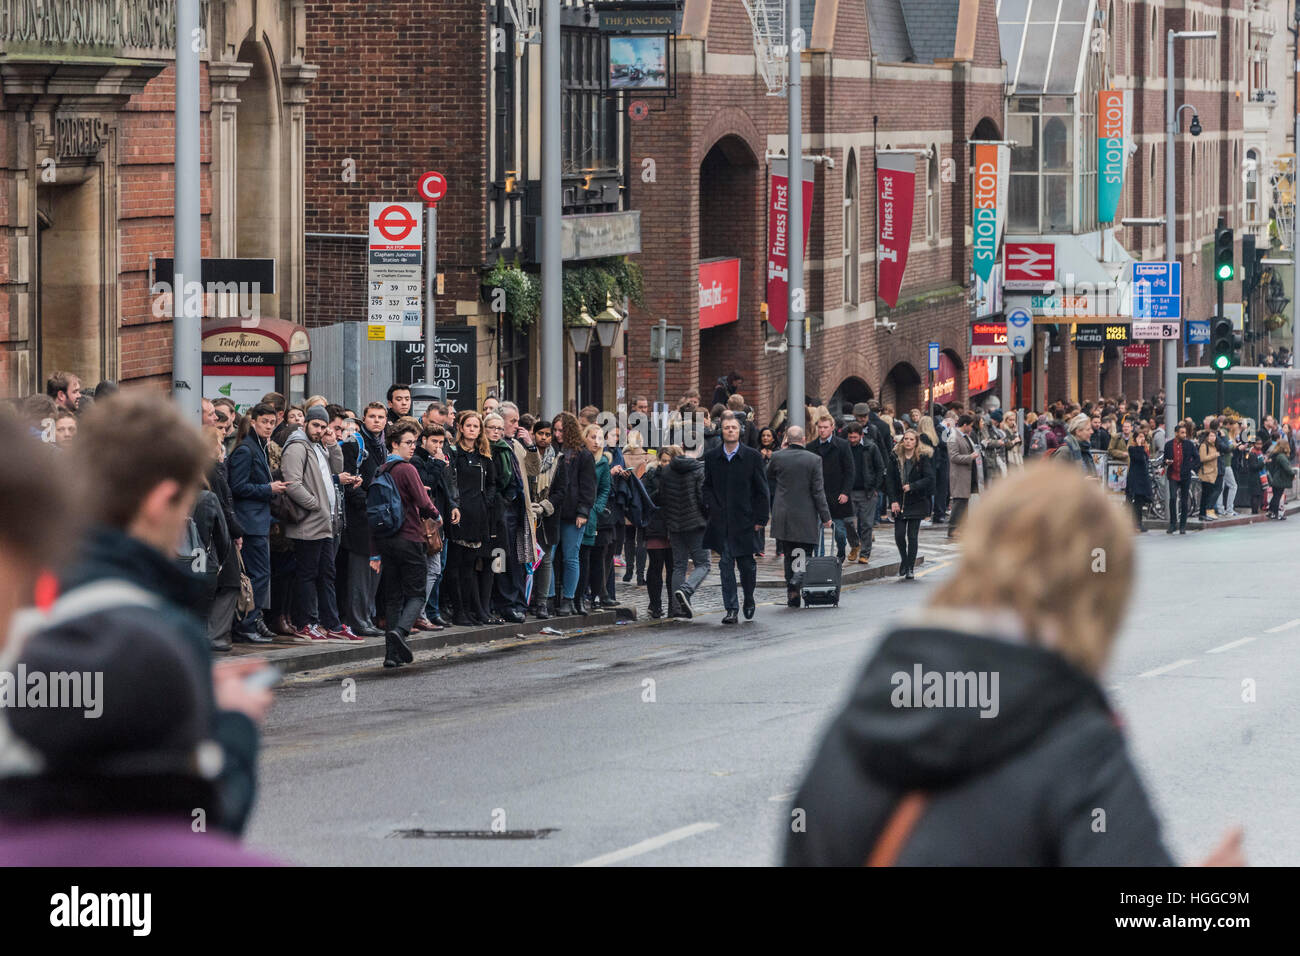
(564, 608)
(853, 554)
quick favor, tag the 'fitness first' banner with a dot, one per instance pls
(895, 200)
(1110, 153)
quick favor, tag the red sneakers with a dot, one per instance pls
(345, 633)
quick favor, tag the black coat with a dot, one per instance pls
(573, 488)
(439, 477)
(868, 465)
(1018, 789)
(476, 484)
(249, 471)
(220, 482)
(837, 473)
(736, 500)
(657, 522)
(1138, 484)
(919, 478)
(1191, 459)
(681, 495)
(356, 531)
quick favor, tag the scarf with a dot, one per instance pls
(504, 455)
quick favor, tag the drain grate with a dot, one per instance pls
(474, 834)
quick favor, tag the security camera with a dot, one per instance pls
(1195, 128)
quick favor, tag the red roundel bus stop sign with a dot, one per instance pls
(433, 186)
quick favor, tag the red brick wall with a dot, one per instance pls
(401, 90)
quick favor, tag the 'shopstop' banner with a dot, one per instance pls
(992, 176)
(778, 241)
(1110, 153)
(895, 198)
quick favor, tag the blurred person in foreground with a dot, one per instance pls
(1003, 758)
(141, 465)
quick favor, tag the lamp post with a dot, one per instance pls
(608, 324)
(1295, 181)
(582, 330)
(1171, 211)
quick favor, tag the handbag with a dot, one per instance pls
(432, 535)
(246, 602)
(283, 508)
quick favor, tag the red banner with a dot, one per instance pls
(1137, 356)
(895, 197)
(719, 292)
(778, 252)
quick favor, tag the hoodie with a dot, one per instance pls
(1014, 773)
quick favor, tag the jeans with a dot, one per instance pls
(405, 569)
(1228, 504)
(906, 535)
(689, 545)
(313, 583)
(748, 577)
(431, 578)
(1210, 494)
(570, 544)
(860, 525)
(1178, 493)
(257, 564)
(841, 538)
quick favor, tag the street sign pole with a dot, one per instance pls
(187, 357)
(552, 325)
(795, 391)
(1020, 398)
(430, 288)
(663, 356)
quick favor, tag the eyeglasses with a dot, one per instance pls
(407, 442)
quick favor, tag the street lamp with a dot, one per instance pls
(1171, 209)
(608, 324)
(581, 331)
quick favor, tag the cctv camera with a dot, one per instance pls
(1196, 125)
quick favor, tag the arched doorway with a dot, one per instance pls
(257, 167)
(728, 225)
(902, 388)
(850, 391)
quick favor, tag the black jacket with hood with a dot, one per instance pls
(681, 495)
(1021, 787)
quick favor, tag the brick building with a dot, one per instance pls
(86, 183)
(876, 75)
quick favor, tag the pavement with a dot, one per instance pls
(295, 656)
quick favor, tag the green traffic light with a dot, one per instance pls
(1222, 362)
(1225, 272)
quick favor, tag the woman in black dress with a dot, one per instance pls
(469, 550)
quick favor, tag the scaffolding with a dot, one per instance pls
(768, 20)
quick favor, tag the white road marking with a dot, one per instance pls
(1283, 627)
(781, 797)
(1229, 646)
(1167, 668)
(645, 846)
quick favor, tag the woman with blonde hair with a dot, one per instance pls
(979, 733)
(909, 483)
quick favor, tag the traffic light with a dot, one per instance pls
(1223, 268)
(1249, 267)
(1225, 346)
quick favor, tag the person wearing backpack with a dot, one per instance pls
(395, 504)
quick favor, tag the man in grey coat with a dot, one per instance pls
(307, 466)
(965, 469)
(798, 507)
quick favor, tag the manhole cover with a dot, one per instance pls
(474, 834)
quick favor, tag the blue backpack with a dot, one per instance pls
(384, 505)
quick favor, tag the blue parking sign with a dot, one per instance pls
(934, 356)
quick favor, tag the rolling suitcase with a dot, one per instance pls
(821, 580)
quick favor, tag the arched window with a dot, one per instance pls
(852, 268)
(933, 211)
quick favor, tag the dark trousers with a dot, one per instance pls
(796, 554)
(1275, 501)
(510, 583)
(461, 575)
(941, 496)
(658, 569)
(1178, 495)
(313, 580)
(748, 577)
(1210, 495)
(959, 506)
(634, 552)
(283, 564)
(588, 572)
(689, 546)
(906, 535)
(405, 569)
(257, 565)
(1138, 504)
(363, 585)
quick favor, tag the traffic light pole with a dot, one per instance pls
(1218, 372)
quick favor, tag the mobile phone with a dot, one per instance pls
(264, 679)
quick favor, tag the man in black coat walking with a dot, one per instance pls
(736, 505)
(837, 475)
